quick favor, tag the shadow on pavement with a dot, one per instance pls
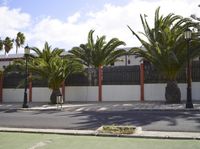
(84, 120)
(93, 120)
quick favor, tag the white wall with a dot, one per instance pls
(152, 92)
(41, 94)
(109, 93)
(81, 93)
(17, 95)
(183, 88)
(121, 93)
(156, 92)
(196, 91)
(13, 95)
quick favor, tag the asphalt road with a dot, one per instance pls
(148, 120)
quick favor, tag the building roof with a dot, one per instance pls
(10, 57)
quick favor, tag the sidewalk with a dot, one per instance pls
(103, 106)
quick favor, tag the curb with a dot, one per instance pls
(96, 110)
(108, 110)
(100, 107)
(143, 134)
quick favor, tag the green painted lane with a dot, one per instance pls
(9, 140)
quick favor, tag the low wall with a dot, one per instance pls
(13, 95)
(156, 92)
(152, 92)
(109, 93)
(41, 94)
(195, 91)
(78, 93)
(121, 93)
(81, 93)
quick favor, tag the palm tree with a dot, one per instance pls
(49, 64)
(8, 44)
(56, 70)
(20, 40)
(165, 48)
(83, 53)
(99, 53)
(46, 53)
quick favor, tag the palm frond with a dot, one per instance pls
(165, 47)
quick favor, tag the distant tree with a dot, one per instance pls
(19, 41)
(8, 44)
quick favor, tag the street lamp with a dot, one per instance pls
(188, 36)
(26, 52)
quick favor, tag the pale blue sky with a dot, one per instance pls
(66, 23)
(59, 8)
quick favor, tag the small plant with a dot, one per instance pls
(113, 129)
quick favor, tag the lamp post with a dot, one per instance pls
(26, 52)
(188, 36)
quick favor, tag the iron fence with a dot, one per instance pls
(117, 75)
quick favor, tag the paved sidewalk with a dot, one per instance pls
(103, 106)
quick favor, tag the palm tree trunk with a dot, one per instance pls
(1, 86)
(100, 83)
(16, 49)
(54, 94)
(172, 92)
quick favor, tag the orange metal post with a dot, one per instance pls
(142, 81)
(1, 88)
(63, 90)
(100, 83)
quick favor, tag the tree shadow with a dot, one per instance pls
(8, 110)
(84, 120)
(165, 120)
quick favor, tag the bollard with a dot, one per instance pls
(59, 101)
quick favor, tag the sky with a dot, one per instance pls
(66, 23)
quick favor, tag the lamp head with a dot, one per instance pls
(27, 50)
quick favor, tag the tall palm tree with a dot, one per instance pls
(19, 41)
(165, 48)
(98, 53)
(83, 53)
(8, 44)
